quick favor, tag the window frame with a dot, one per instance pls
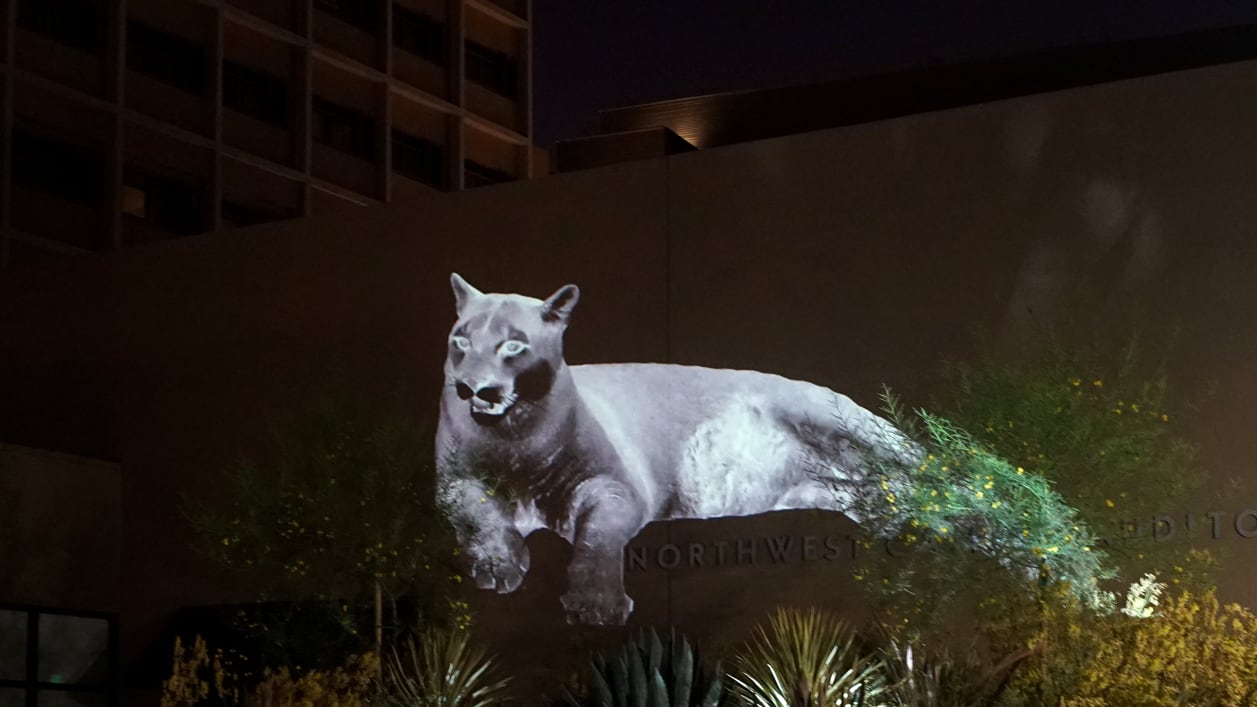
(252, 101)
(160, 56)
(31, 683)
(405, 144)
(353, 131)
(495, 70)
(410, 27)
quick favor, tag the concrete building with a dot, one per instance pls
(849, 257)
(130, 121)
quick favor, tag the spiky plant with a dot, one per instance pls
(919, 678)
(648, 672)
(444, 670)
(806, 658)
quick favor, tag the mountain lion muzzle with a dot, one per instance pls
(596, 452)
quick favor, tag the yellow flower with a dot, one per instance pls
(1134, 407)
(1109, 502)
(979, 494)
(1098, 383)
(933, 492)
(1077, 382)
(989, 484)
(1165, 418)
(995, 505)
(1020, 471)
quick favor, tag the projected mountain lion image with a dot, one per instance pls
(595, 452)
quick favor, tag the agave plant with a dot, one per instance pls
(648, 672)
(444, 670)
(920, 679)
(806, 659)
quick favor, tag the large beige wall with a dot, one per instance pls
(849, 257)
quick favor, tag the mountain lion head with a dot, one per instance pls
(505, 350)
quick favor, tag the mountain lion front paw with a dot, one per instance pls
(500, 566)
(598, 608)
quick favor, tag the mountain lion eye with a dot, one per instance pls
(513, 348)
(461, 343)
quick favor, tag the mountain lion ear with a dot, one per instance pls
(463, 292)
(560, 305)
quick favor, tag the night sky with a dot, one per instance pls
(595, 54)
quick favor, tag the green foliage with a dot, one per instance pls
(1189, 651)
(1102, 427)
(444, 670)
(963, 512)
(648, 672)
(806, 659)
(916, 678)
(347, 505)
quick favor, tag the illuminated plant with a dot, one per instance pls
(1102, 426)
(204, 678)
(444, 670)
(806, 658)
(651, 673)
(1190, 651)
(963, 505)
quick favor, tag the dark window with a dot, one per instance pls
(55, 657)
(237, 215)
(75, 23)
(419, 159)
(68, 171)
(167, 204)
(479, 175)
(492, 69)
(419, 34)
(255, 93)
(165, 57)
(343, 128)
(359, 13)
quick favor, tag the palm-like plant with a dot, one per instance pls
(444, 670)
(806, 659)
(648, 672)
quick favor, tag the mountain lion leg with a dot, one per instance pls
(497, 552)
(607, 515)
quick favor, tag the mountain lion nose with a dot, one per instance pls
(490, 394)
(464, 391)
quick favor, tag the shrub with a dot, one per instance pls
(806, 658)
(1189, 650)
(444, 670)
(201, 677)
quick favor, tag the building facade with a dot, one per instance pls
(850, 257)
(128, 121)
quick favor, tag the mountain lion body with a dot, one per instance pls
(595, 452)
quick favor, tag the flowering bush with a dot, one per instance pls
(201, 677)
(1185, 650)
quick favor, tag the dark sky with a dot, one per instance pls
(594, 54)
